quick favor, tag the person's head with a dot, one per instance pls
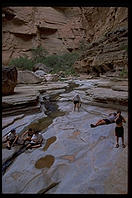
(36, 132)
(13, 131)
(30, 130)
(119, 112)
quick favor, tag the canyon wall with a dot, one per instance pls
(106, 48)
(101, 32)
(55, 29)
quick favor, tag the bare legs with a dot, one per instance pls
(76, 106)
(100, 122)
(8, 144)
(123, 145)
(117, 142)
(33, 146)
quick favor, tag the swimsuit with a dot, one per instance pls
(119, 131)
(75, 102)
(110, 119)
(107, 121)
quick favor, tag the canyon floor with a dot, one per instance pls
(74, 158)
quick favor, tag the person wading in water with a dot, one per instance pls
(77, 102)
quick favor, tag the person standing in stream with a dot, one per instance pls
(77, 102)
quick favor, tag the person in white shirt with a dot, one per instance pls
(77, 102)
(36, 140)
(11, 138)
(27, 135)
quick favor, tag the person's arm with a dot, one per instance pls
(79, 100)
(15, 140)
(24, 134)
(34, 139)
(41, 139)
(123, 119)
(117, 116)
(7, 137)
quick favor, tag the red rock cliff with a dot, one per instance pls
(61, 29)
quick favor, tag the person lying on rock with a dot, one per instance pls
(77, 102)
(11, 138)
(119, 130)
(29, 133)
(36, 140)
(109, 120)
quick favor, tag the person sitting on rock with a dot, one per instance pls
(36, 140)
(77, 102)
(29, 133)
(109, 120)
(119, 130)
(11, 138)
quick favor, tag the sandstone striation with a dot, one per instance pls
(29, 27)
(101, 32)
(107, 40)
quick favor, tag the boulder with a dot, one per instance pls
(41, 66)
(9, 80)
(40, 73)
(51, 77)
(28, 77)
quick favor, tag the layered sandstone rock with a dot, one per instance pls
(29, 77)
(109, 53)
(9, 80)
(107, 40)
(29, 27)
(100, 32)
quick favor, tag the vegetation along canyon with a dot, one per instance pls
(50, 56)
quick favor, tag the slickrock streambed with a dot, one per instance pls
(74, 158)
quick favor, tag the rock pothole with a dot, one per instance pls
(46, 161)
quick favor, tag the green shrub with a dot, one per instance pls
(124, 47)
(38, 54)
(124, 73)
(58, 63)
(22, 63)
(62, 62)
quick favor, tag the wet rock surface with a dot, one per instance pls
(74, 158)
